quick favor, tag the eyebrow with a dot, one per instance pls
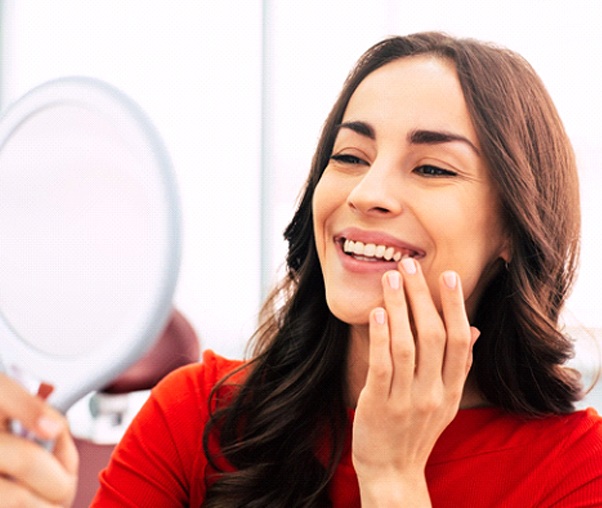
(426, 137)
(416, 137)
(361, 128)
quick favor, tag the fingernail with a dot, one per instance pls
(379, 316)
(394, 279)
(451, 279)
(409, 265)
(45, 390)
(51, 428)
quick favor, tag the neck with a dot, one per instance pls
(357, 370)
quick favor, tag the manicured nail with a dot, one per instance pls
(451, 279)
(51, 428)
(394, 279)
(379, 316)
(409, 265)
(44, 390)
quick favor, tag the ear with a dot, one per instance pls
(505, 252)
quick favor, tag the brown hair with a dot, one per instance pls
(272, 431)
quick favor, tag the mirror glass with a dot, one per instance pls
(89, 235)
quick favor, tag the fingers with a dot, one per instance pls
(403, 347)
(17, 404)
(380, 369)
(66, 452)
(429, 329)
(27, 470)
(13, 494)
(32, 467)
(459, 333)
(438, 345)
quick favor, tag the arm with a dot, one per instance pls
(29, 474)
(417, 370)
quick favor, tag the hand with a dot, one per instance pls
(418, 364)
(29, 474)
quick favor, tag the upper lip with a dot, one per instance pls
(378, 238)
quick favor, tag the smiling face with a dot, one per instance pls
(405, 178)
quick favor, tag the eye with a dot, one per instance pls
(433, 171)
(347, 159)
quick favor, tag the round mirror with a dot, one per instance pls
(89, 236)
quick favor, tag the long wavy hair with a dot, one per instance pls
(281, 431)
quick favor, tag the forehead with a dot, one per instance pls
(419, 92)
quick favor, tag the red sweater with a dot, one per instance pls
(485, 458)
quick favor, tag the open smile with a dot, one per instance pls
(375, 252)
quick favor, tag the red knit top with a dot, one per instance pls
(485, 458)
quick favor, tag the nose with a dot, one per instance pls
(377, 192)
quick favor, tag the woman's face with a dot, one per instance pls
(406, 178)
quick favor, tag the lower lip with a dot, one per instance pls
(358, 266)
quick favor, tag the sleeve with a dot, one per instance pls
(579, 463)
(160, 460)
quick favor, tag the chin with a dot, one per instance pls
(352, 312)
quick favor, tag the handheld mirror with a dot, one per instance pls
(89, 236)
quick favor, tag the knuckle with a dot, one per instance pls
(430, 402)
(428, 406)
(455, 395)
(433, 333)
(380, 372)
(459, 340)
(404, 355)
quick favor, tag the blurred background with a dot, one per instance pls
(239, 91)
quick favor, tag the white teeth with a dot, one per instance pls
(371, 250)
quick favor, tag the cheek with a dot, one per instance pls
(319, 212)
(327, 198)
(472, 249)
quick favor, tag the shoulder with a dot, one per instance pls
(579, 435)
(571, 434)
(196, 380)
(211, 368)
(575, 437)
(524, 462)
(160, 459)
(574, 465)
(494, 429)
(586, 422)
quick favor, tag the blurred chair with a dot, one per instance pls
(109, 411)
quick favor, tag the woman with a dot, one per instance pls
(417, 358)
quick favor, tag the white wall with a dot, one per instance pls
(196, 67)
(317, 42)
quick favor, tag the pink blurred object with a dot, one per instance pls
(177, 346)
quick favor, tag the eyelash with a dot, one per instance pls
(427, 170)
(347, 159)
